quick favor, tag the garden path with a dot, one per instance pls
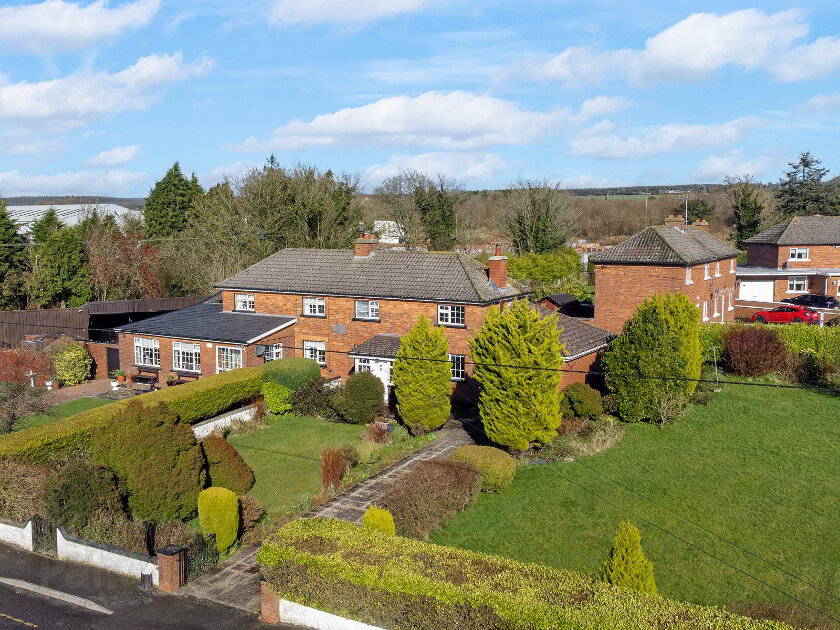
(236, 582)
(89, 389)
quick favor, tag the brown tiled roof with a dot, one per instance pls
(385, 346)
(386, 273)
(813, 230)
(682, 245)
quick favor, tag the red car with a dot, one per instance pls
(787, 315)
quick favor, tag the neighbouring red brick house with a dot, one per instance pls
(798, 256)
(344, 308)
(665, 259)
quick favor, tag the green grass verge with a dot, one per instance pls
(59, 412)
(757, 466)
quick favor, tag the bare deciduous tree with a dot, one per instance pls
(538, 215)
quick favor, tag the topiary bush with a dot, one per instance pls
(423, 387)
(518, 406)
(379, 520)
(218, 513)
(430, 493)
(661, 339)
(276, 397)
(293, 373)
(23, 488)
(78, 491)
(71, 363)
(626, 565)
(581, 400)
(225, 466)
(362, 398)
(497, 468)
(157, 460)
(754, 351)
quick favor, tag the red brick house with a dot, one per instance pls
(665, 259)
(343, 308)
(798, 256)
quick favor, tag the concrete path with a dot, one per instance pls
(236, 582)
(85, 390)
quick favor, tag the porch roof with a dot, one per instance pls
(381, 346)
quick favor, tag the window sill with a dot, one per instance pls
(452, 325)
(313, 316)
(705, 319)
(688, 282)
(367, 319)
(797, 292)
(798, 260)
(717, 275)
(707, 277)
(140, 366)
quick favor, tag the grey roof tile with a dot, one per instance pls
(386, 273)
(811, 230)
(385, 346)
(660, 245)
(208, 322)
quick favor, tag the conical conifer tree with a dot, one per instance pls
(626, 565)
(12, 260)
(423, 387)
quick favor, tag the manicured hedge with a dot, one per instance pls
(404, 584)
(496, 467)
(218, 513)
(824, 343)
(225, 465)
(293, 373)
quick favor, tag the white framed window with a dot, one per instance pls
(732, 265)
(274, 352)
(705, 311)
(459, 369)
(228, 358)
(186, 357)
(244, 302)
(147, 352)
(799, 253)
(450, 315)
(715, 303)
(688, 279)
(367, 309)
(363, 365)
(731, 307)
(706, 275)
(798, 284)
(316, 350)
(717, 269)
(315, 306)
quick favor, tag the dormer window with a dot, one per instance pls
(244, 302)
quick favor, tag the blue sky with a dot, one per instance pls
(101, 97)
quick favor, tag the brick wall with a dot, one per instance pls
(576, 371)
(762, 255)
(99, 352)
(775, 256)
(619, 289)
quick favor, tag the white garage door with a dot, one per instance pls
(756, 290)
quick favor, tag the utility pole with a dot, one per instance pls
(686, 209)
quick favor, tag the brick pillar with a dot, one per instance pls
(269, 605)
(172, 567)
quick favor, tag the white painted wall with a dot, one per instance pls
(203, 429)
(16, 535)
(109, 559)
(297, 614)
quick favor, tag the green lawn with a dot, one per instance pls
(286, 457)
(757, 466)
(60, 412)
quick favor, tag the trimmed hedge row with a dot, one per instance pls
(823, 343)
(405, 584)
(497, 468)
(193, 402)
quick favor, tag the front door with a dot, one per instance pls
(113, 359)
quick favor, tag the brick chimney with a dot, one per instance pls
(365, 245)
(497, 271)
(702, 224)
(674, 220)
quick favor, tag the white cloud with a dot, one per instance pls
(459, 165)
(601, 106)
(55, 26)
(89, 182)
(219, 173)
(823, 103)
(700, 44)
(354, 12)
(670, 138)
(115, 157)
(715, 167)
(84, 94)
(587, 181)
(446, 120)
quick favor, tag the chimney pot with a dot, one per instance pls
(365, 245)
(674, 220)
(497, 268)
(702, 224)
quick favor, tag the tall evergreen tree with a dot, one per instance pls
(12, 262)
(60, 273)
(437, 204)
(41, 230)
(518, 406)
(170, 202)
(626, 565)
(698, 210)
(742, 193)
(802, 191)
(423, 386)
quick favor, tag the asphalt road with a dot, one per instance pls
(132, 608)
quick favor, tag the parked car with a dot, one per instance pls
(787, 315)
(814, 301)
